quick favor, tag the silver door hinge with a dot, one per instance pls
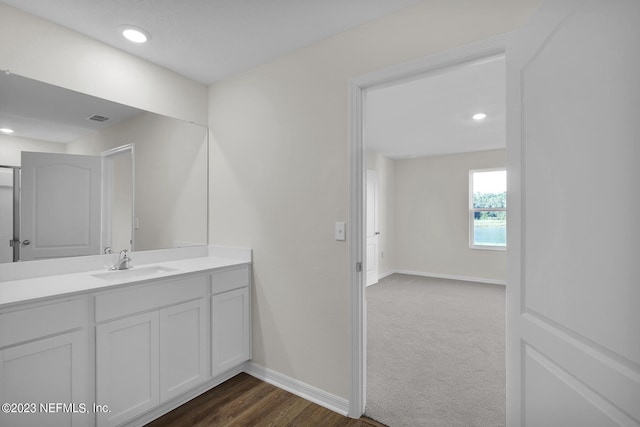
(358, 267)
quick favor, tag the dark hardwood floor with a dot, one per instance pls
(247, 401)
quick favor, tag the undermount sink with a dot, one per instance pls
(134, 273)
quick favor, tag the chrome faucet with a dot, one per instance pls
(123, 261)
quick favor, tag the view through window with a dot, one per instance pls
(488, 209)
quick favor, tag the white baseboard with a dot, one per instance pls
(452, 277)
(381, 276)
(306, 391)
(388, 273)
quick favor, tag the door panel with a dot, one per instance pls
(44, 372)
(230, 330)
(580, 405)
(184, 347)
(573, 99)
(60, 205)
(127, 367)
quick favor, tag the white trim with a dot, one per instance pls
(453, 277)
(488, 248)
(388, 273)
(118, 150)
(306, 391)
(107, 191)
(357, 179)
(358, 86)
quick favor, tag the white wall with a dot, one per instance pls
(432, 217)
(41, 50)
(12, 146)
(279, 174)
(385, 169)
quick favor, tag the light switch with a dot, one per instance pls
(340, 233)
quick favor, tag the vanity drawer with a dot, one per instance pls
(149, 296)
(37, 322)
(227, 280)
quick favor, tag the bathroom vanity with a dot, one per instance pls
(106, 348)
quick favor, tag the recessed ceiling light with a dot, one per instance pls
(6, 130)
(134, 34)
(479, 116)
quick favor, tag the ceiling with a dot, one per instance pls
(33, 110)
(207, 40)
(432, 115)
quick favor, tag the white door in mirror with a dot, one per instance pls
(60, 205)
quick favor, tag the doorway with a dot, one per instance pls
(359, 89)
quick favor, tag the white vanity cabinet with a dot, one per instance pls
(122, 348)
(151, 345)
(230, 319)
(184, 347)
(43, 363)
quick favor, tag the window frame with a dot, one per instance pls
(473, 210)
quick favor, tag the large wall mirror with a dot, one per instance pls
(81, 175)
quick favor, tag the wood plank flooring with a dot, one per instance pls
(247, 401)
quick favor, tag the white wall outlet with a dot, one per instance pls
(340, 231)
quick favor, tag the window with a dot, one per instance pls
(488, 209)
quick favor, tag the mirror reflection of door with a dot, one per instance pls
(60, 205)
(6, 213)
(118, 211)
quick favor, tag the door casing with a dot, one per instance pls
(492, 47)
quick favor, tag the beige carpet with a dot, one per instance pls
(435, 352)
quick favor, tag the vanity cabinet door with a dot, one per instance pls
(37, 376)
(127, 367)
(230, 330)
(184, 347)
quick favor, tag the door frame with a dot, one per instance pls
(358, 87)
(107, 193)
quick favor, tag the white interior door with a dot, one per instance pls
(60, 205)
(573, 355)
(372, 228)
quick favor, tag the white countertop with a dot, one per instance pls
(43, 287)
